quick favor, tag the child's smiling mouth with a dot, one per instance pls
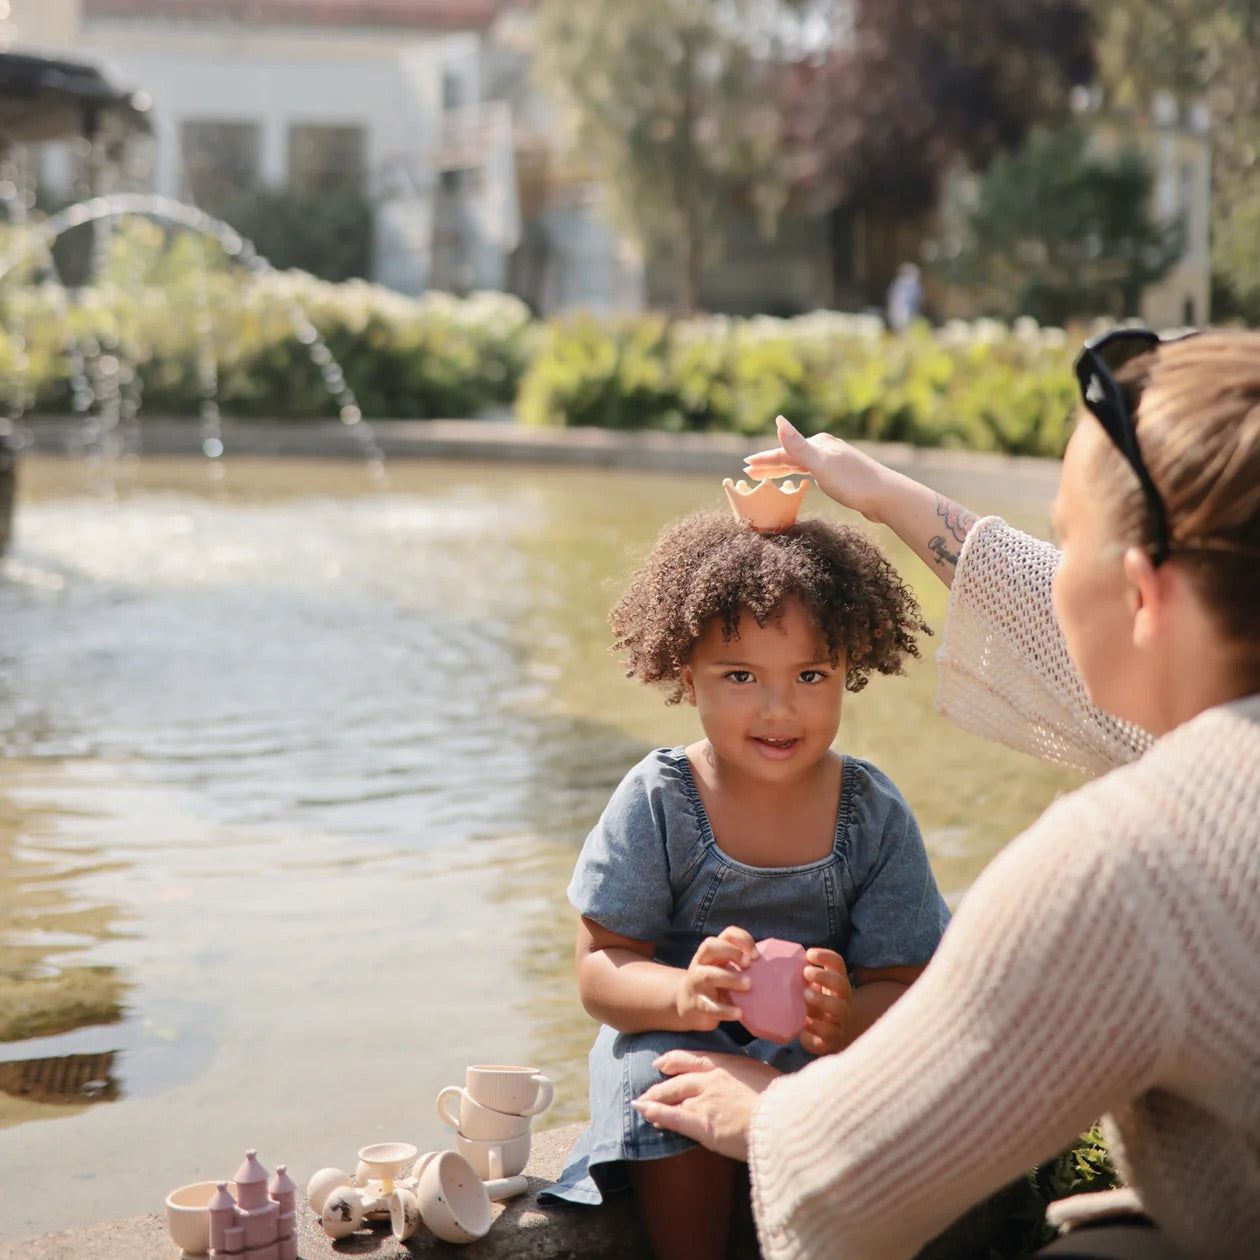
(776, 746)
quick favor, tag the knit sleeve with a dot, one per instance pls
(1005, 672)
(1052, 997)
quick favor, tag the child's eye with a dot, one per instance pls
(739, 675)
(813, 675)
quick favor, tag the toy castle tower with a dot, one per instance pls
(260, 1223)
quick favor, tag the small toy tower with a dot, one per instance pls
(222, 1219)
(284, 1193)
(257, 1215)
(251, 1184)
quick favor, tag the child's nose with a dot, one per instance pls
(776, 700)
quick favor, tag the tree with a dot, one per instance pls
(1056, 231)
(1202, 51)
(669, 99)
(861, 103)
(909, 87)
(328, 233)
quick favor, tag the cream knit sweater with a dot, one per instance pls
(1106, 961)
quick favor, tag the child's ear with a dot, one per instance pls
(688, 680)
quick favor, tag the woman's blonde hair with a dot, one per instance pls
(1197, 408)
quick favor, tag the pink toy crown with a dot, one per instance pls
(767, 507)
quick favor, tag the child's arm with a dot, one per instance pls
(876, 990)
(839, 1013)
(622, 985)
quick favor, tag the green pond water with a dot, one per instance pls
(294, 772)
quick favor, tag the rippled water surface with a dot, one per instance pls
(294, 771)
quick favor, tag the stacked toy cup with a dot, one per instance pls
(492, 1114)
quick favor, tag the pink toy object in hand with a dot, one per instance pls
(774, 1008)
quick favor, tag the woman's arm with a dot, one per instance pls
(1011, 1044)
(1005, 669)
(933, 526)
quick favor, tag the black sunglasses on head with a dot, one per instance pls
(1101, 357)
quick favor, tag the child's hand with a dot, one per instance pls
(828, 997)
(702, 996)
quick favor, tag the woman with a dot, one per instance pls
(1108, 960)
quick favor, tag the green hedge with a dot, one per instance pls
(176, 322)
(169, 307)
(982, 386)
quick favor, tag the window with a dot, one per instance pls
(327, 159)
(219, 158)
(453, 94)
(1186, 199)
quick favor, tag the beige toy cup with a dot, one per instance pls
(519, 1091)
(404, 1213)
(188, 1217)
(452, 1201)
(495, 1160)
(474, 1120)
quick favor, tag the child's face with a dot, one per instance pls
(769, 700)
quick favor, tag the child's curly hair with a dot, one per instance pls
(712, 565)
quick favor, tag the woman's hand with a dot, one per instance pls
(931, 525)
(842, 471)
(702, 999)
(828, 1000)
(709, 1098)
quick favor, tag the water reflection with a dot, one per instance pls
(294, 775)
(64, 1078)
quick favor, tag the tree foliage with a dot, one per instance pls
(908, 87)
(1056, 231)
(668, 98)
(1202, 51)
(326, 232)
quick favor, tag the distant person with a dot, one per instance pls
(758, 829)
(905, 297)
(1107, 961)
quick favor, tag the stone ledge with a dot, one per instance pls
(509, 442)
(521, 1231)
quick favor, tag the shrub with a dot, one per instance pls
(1011, 1223)
(175, 321)
(187, 321)
(983, 386)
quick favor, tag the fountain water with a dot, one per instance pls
(51, 98)
(99, 378)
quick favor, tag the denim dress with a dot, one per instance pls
(652, 870)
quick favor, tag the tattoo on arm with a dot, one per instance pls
(936, 545)
(958, 521)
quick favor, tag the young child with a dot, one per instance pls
(758, 829)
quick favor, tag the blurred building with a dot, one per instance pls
(1177, 143)
(426, 109)
(423, 108)
(50, 23)
(381, 98)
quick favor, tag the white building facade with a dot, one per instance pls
(364, 94)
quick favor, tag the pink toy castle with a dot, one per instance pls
(260, 1223)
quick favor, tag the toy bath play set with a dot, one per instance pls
(447, 1192)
